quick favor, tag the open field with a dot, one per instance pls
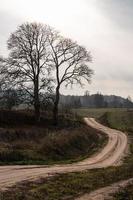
(96, 112)
(122, 120)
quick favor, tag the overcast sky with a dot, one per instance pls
(104, 27)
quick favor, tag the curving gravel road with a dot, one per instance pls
(110, 155)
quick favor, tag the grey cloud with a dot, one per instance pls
(8, 22)
(120, 11)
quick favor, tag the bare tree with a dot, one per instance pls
(3, 72)
(27, 61)
(70, 62)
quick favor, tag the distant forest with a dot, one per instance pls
(96, 101)
(12, 99)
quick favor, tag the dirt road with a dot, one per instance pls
(110, 155)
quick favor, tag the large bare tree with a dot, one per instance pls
(34, 50)
(70, 62)
(27, 61)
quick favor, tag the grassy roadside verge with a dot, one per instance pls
(124, 193)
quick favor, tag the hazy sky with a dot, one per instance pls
(104, 27)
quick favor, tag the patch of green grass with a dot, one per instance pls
(95, 112)
(122, 120)
(124, 193)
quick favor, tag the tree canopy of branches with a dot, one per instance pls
(70, 62)
(35, 51)
(27, 61)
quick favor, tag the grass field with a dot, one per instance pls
(122, 120)
(96, 112)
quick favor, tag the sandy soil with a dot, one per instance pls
(110, 155)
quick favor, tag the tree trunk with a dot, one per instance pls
(55, 110)
(37, 112)
(36, 102)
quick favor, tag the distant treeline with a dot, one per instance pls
(12, 99)
(96, 101)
